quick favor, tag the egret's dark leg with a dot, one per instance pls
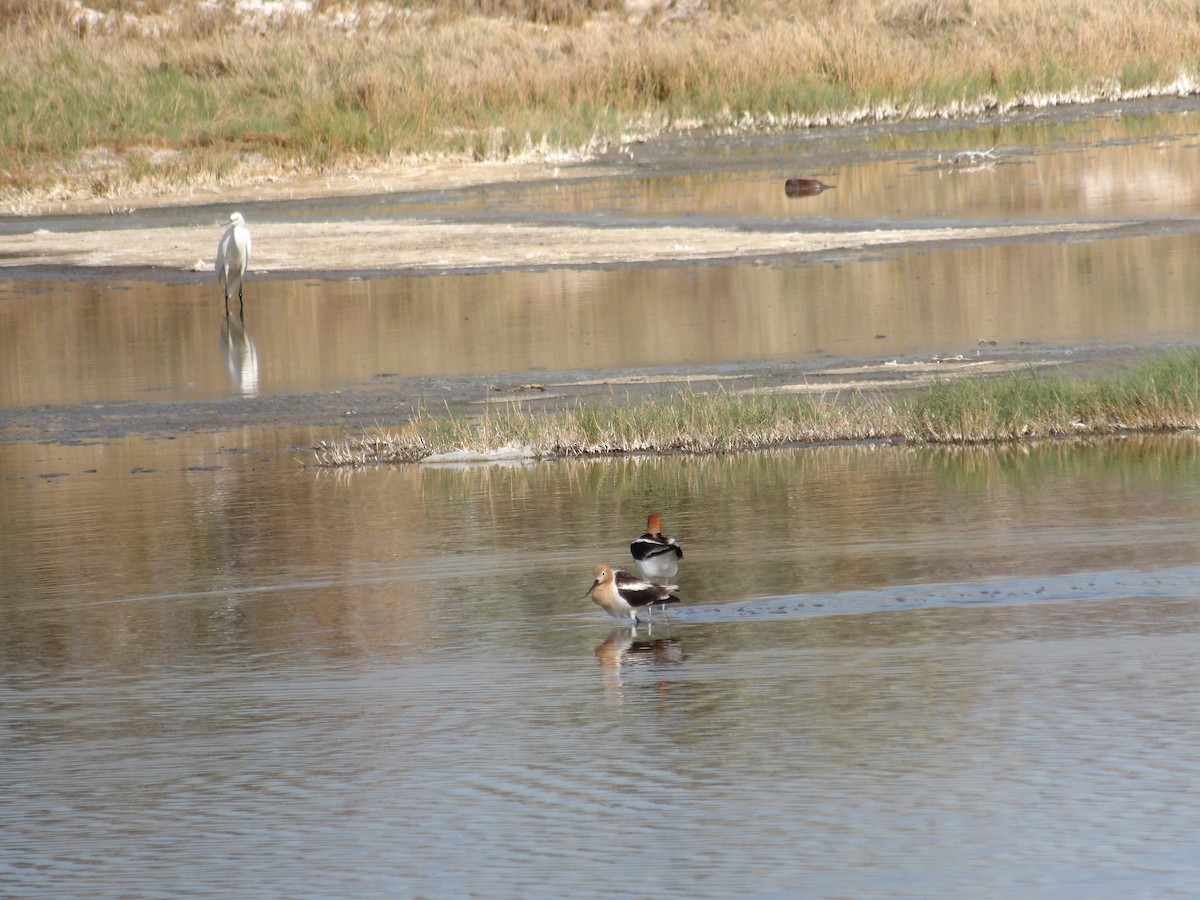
(227, 306)
(241, 306)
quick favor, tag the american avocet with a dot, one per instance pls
(233, 256)
(657, 556)
(620, 594)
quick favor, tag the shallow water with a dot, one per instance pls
(81, 342)
(98, 339)
(896, 671)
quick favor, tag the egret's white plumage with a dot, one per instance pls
(233, 256)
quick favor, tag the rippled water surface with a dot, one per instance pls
(895, 672)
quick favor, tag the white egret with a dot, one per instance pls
(233, 256)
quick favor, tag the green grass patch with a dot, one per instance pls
(1162, 395)
(1158, 396)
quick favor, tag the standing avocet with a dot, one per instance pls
(657, 556)
(621, 595)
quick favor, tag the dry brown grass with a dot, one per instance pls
(229, 91)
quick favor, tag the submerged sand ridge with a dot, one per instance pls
(407, 245)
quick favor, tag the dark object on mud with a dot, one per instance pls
(804, 187)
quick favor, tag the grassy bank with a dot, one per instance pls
(1163, 395)
(151, 95)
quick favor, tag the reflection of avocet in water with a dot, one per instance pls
(625, 649)
(241, 359)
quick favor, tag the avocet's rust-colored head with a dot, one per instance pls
(603, 574)
(654, 523)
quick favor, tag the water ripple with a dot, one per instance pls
(1180, 583)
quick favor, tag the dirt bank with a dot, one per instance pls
(266, 183)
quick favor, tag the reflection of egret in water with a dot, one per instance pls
(241, 359)
(628, 650)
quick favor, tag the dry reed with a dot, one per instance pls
(154, 94)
